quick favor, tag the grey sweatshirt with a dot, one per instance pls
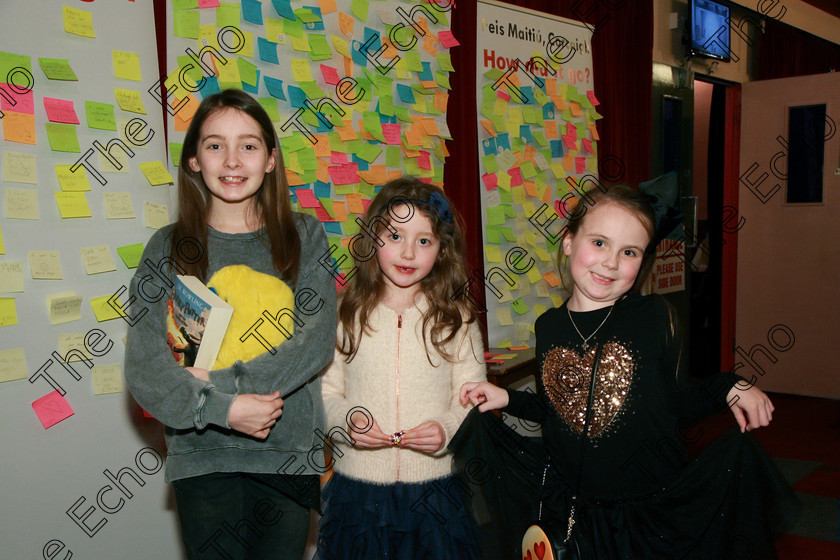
(194, 412)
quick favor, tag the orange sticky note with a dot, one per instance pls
(551, 278)
(51, 409)
(19, 127)
(354, 203)
(345, 23)
(488, 126)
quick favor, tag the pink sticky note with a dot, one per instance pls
(569, 142)
(447, 39)
(502, 94)
(23, 102)
(51, 409)
(323, 215)
(307, 198)
(592, 99)
(60, 111)
(346, 174)
(366, 202)
(423, 160)
(571, 130)
(392, 133)
(515, 176)
(330, 74)
(208, 3)
(587, 145)
(338, 158)
(491, 181)
(580, 165)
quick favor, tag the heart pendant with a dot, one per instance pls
(566, 376)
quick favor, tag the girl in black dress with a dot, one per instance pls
(639, 496)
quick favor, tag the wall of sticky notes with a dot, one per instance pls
(87, 177)
(537, 142)
(351, 110)
(69, 239)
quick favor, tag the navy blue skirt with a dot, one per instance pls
(402, 521)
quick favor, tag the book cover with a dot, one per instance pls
(197, 320)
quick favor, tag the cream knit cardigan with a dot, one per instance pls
(392, 379)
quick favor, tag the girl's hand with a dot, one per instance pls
(367, 436)
(254, 415)
(485, 395)
(199, 373)
(752, 408)
(428, 437)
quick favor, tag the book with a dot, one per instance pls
(196, 322)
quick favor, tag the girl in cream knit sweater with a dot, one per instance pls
(404, 348)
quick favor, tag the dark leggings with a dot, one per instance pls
(235, 516)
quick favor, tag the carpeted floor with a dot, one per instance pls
(804, 441)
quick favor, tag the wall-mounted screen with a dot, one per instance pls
(709, 29)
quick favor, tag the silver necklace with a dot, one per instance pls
(586, 339)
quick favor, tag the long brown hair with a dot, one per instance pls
(271, 203)
(445, 314)
(626, 198)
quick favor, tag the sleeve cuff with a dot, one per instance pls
(213, 408)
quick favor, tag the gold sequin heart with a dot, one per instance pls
(566, 377)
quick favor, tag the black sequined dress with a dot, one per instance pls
(640, 495)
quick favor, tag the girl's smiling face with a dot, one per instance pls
(605, 255)
(407, 257)
(232, 158)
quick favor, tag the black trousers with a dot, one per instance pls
(237, 516)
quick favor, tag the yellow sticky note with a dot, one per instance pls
(534, 275)
(72, 180)
(107, 166)
(64, 307)
(45, 265)
(11, 277)
(107, 379)
(493, 253)
(72, 346)
(129, 100)
(98, 259)
(72, 204)
(156, 173)
(21, 204)
(301, 70)
(78, 22)
(103, 311)
(504, 316)
(156, 215)
(118, 205)
(2, 247)
(506, 343)
(126, 65)
(557, 300)
(8, 312)
(20, 168)
(13, 365)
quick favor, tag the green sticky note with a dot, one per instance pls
(293, 28)
(490, 164)
(307, 159)
(100, 115)
(312, 90)
(386, 105)
(307, 16)
(508, 233)
(294, 142)
(445, 62)
(57, 69)
(184, 4)
(493, 234)
(392, 156)
(527, 169)
(541, 97)
(360, 9)
(411, 167)
(194, 72)
(247, 71)
(227, 15)
(327, 203)
(270, 106)
(131, 254)
(539, 137)
(369, 152)
(506, 196)
(366, 189)
(508, 210)
(372, 123)
(10, 61)
(344, 189)
(175, 149)
(63, 137)
(519, 306)
(442, 79)
(412, 61)
(495, 216)
(319, 48)
(186, 24)
(493, 74)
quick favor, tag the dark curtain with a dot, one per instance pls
(785, 51)
(622, 56)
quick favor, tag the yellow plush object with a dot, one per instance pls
(250, 293)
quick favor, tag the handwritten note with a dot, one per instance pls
(72, 180)
(21, 204)
(72, 204)
(155, 215)
(78, 22)
(57, 69)
(75, 343)
(98, 259)
(52, 408)
(8, 312)
(64, 307)
(13, 365)
(19, 127)
(129, 100)
(62, 137)
(156, 173)
(126, 65)
(11, 277)
(100, 115)
(45, 265)
(103, 310)
(118, 205)
(60, 111)
(107, 379)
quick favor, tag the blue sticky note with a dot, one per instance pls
(333, 227)
(357, 55)
(527, 93)
(375, 43)
(489, 146)
(503, 141)
(268, 50)
(548, 111)
(322, 190)
(284, 9)
(315, 25)
(525, 133)
(274, 87)
(426, 75)
(406, 94)
(255, 89)
(211, 86)
(363, 165)
(296, 97)
(252, 11)
(556, 148)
